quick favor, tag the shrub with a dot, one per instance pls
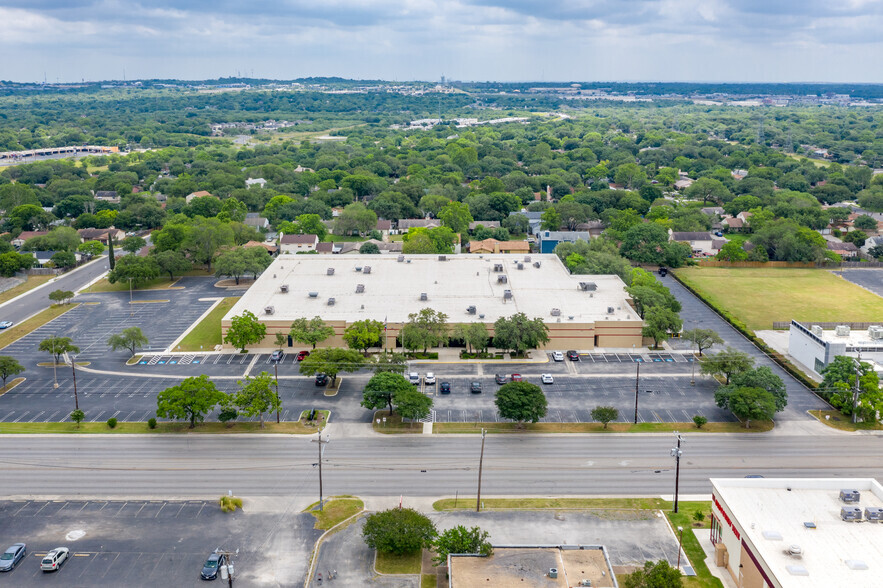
(398, 531)
(77, 416)
(230, 503)
(698, 516)
(112, 422)
(228, 414)
(699, 420)
(151, 423)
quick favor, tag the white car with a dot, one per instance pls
(414, 378)
(53, 560)
(429, 379)
(548, 379)
(557, 356)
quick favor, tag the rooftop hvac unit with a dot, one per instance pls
(470, 309)
(407, 261)
(481, 316)
(442, 257)
(366, 269)
(507, 294)
(284, 288)
(875, 332)
(794, 550)
(874, 514)
(360, 288)
(498, 267)
(314, 294)
(330, 271)
(520, 266)
(849, 495)
(588, 286)
(358, 268)
(841, 330)
(536, 264)
(527, 259)
(269, 310)
(570, 317)
(331, 302)
(851, 514)
(817, 330)
(423, 296)
(556, 312)
(609, 310)
(502, 279)
(401, 258)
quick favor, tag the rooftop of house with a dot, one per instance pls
(298, 239)
(692, 236)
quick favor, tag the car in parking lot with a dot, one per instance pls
(321, 379)
(302, 355)
(517, 378)
(444, 388)
(548, 379)
(5, 324)
(277, 355)
(500, 379)
(212, 565)
(53, 560)
(13, 554)
(414, 378)
(572, 355)
(429, 379)
(475, 387)
(557, 356)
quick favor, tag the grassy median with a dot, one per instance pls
(394, 425)
(16, 332)
(837, 420)
(122, 428)
(207, 333)
(336, 510)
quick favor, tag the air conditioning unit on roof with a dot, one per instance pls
(841, 330)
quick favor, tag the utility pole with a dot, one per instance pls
(677, 453)
(857, 391)
(480, 464)
(321, 442)
(74, 370)
(637, 376)
(278, 404)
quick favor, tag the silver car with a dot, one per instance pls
(53, 560)
(12, 556)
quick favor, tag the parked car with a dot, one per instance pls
(53, 560)
(517, 378)
(548, 379)
(572, 355)
(13, 554)
(5, 324)
(212, 565)
(414, 378)
(444, 388)
(429, 379)
(302, 355)
(500, 379)
(557, 356)
(321, 379)
(277, 356)
(663, 271)
(475, 387)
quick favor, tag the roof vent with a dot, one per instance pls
(507, 294)
(556, 312)
(520, 266)
(481, 316)
(502, 279)
(358, 268)
(797, 570)
(284, 288)
(536, 264)
(408, 261)
(609, 310)
(423, 296)
(269, 310)
(360, 288)
(874, 514)
(570, 317)
(794, 550)
(498, 267)
(588, 286)
(850, 495)
(772, 535)
(314, 294)
(331, 302)
(527, 259)
(470, 309)
(401, 258)
(330, 271)
(367, 269)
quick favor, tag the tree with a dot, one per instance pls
(11, 262)
(131, 339)
(240, 261)
(726, 363)
(171, 262)
(702, 338)
(139, 269)
(398, 531)
(521, 402)
(111, 259)
(645, 243)
(63, 259)
(708, 189)
(762, 377)
(257, 396)
(750, 404)
(519, 333)
(630, 175)
(205, 237)
(412, 403)
(646, 297)
(461, 540)
(60, 296)
(856, 237)
(865, 223)
(190, 400)
(9, 366)
(77, 416)
(58, 346)
(474, 335)
(233, 210)
(92, 248)
(310, 331)
(732, 251)
(699, 420)
(355, 218)
(550, 220)
(369, 249)
(245, 330)
(389, 361)
(363, 334)
(424, 329)
(659, 322)
(604, 414)
(331, 361)
(132, 244)
(382, 388)
(658, 574)
(456, 216)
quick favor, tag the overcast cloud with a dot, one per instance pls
(689, 40)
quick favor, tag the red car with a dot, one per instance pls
(516, 377)
(302, 355)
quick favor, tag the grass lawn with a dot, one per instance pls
(690, 544)
(207, 333)
(10, 384)
(103, 285)
(839, 421)
(468, 503)
(451, 428)
(329, 238)
(800, 294)
(29, 284)
(337, 509)
(19, 330)
(270, 426)
(394, 424)
(428, 581)
(387, 563)
(739, 238)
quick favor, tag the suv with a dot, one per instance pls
(572, 355)
(500, 379)
(557, 356)
(321, 379)
(429, 378)
(444, 388)
(475, 387)
(212, 565)
(277, 356)
(414, 378)
(53, 560)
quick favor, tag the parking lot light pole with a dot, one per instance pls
(74, 371)
(680, 540)
(637, 377)
(276, 370)
(54, 363)
(677, 453)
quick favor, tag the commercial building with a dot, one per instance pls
(798, 533)
(815, 347)
(582, 312)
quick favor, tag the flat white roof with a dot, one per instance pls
(773, 517)
(393, 288)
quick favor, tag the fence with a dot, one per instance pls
(789, 264)
(44, 271)
(827, 326)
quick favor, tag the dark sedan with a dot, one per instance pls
(12, 556)
(500, 379)
(212, 566)
(444, 388)
(321, 379)
(475, 387)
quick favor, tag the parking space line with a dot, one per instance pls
(22, 416)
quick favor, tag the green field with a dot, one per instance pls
(207, 333)
(760, 296)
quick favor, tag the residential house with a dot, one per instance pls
(732, 223)
(383, 226)
(548, 240)
(297, 243)
(844, 250)
(102, 235)
(254, 219)
(107, 196)
(271, 248)
(683, 183)
(406, 224)
(533, 220)
(24, 236)
(872, 242)
(252, 182)
(495, 246)
(485, 224)
(326, 247)
(739, 173)
(199, 194)
(712, 211)
(44, 257)
(593, 227)
(701, 242)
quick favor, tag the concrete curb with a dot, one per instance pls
(314, 555)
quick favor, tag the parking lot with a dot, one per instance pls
(152, 542)
(871, 278)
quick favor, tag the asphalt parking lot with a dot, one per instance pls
(871, 278)
(153, 542)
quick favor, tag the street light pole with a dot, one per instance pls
(54, 363)
(677, 453)
(637, 376)
(480, 464)
(276, 371)
(131, 310)
(680, 541)
(74, 371)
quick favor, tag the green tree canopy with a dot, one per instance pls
(256, 396)
(519, 333)
(382, 389)
(702, 338)
(726, 363)
(245, 330)
(750, 404)
(364, 334)
(139, 269)
(310, 331)
(459, 539)
(130, 339)
(331, 361)
(398, 531)
(9, 366)
(521, 402)
(424, 329)
(604, 414)
(658, 574)
(190, 400)
(58, 346)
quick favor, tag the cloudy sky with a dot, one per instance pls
(549, 40)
